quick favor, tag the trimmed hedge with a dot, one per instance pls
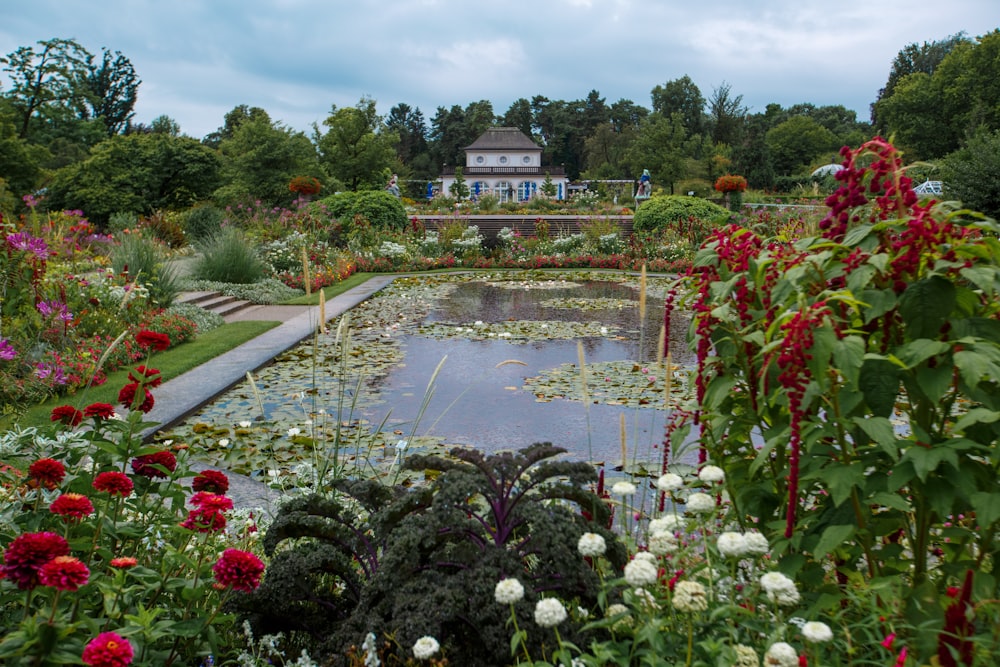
(381, 209)
(670, 210)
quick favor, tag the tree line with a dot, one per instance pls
(67, 126)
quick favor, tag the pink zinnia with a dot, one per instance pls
(114, 483)
(123, 562)
(127, 397)
(25, 556)
(72, 506)
(66, 573)
(205, 520)
(241, 570)
(211, 501)
(108, 649)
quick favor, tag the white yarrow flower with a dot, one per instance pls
(623, 489)
(669, 482)
(746, 656)
(711, 474)
(732, 545)
(508, 591)
(641, 572)
(425, 648)
(700, 502)
(781, 655)
(663, 543)
(591, 545)
(549, 612)
(689, 596)
(646, 556)
(817, 632)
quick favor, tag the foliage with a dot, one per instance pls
(228, 257)
(425, 561)
(662, 212)
(972, 173)
(202, 222)
(795, 143)
(459, 189)
(305, 185)
(356, 148)
(846, 383)
(379, 208)
(111, 91)
(265, 291)
(203, 320)
(166, 227)
(140, 258)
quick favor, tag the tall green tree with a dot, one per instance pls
(913, 59)
(727, 115)
(659, 147)
(797, 142)
(47, 83)
(240, 114)
(20, 162)
(111, 90)
(681, 96)
(519, 115)
(972, 173)
(357, 149)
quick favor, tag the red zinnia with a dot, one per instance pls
(143, 465)
(102, 410)
(108, 649)
(72, 506)
(48, 472)
(205, 520)
(28, 553)
(124, 562)
(148, 377)
(127, 397)
(210, 480)
(114, 483)
(211, 501)
(241, 570)
(66, 573)
(66, 414)
(157, 341)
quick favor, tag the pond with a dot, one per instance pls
(490, 361)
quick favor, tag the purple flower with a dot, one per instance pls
(25, 241)
(57, 308)
(7, 351)
(44, 371)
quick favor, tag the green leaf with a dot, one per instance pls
(934, 382)
(848, 355)
(841, 479)
(832, 537)
(976, 416)
(977, 327)
(879, 302)
(987, 507)
(879, 382)
(973, 367)
(925, 306)
(881, 431)
(926, 460)
(189, 628)
(920, 350)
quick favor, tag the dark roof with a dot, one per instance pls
(503, 139)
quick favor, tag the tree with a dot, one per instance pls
(626, 114)
(111, 90)
(659, 148)
(20, 161)
(408, 124)
(681, 96)
(916, 119)
(232, 121)
(912, 59)
(519, 115)
(137, 173)
(753, 158)
(727, 115)
(972, 173)
(797, 142)
(357, 149)
(447, 135)
(459, 189)
(48, 84)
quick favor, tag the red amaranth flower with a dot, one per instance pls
(127, 397)
(108, 649)
(72, 506)
(114, 483)
(240, 570)
(210, 480)
(66, 414)
(143, 465)
(157, 341)
(147, 377)
(101, 410)
(955, 646)
(27, 553)
(47, 471)
(66, 573)
(123, 562)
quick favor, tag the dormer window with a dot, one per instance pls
(480, 159)
(526, 159)
(503, 159)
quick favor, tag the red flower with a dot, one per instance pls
(127, 397)
(124, 562)
(152, 339)
(210, 480)
(241, 570)
(66, 414)
(143, 465)
(72, 506)
(730, 183)
(211, 501)
(48, 472)
(147, 377)
(114, 483)
(27, 554)
(102, 410)
(108, 649)
(66, 573)
(205, 520)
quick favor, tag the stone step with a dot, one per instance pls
(215, 302)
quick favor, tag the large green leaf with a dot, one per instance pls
(879, 302)
(987, 506)
(881, 431)
(848, 354)
(832, 537)
(841, 479)
(920, 350)
(879, 382)
(925, 306)
(926, 460)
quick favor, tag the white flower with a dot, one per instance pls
(700, 502)
(756, 543)
(666, 524)
(746, 656)
(640, 572)
(781, 655)
(817, 632)
(292, 432)
(645, 598)
(780, 589)
(244, 424)
(646, 556)
(711, 474)
(731, 545)
(663, 543)
(669, 482)
(689, 596)
(549, 612)
(509, 591)
(623, 489)
(615, 609)
(591, 544)
(425, 648)
(224, 442)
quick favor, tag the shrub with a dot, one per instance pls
(972, 173)
(660, 212)
(227, 257)
(165, 226)
(380, 208)
(203, 221)
(142, 258)
(119, 222)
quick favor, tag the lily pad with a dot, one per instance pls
(624, 383)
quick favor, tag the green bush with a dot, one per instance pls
(662, 212)
(228, 257)
(141, 258)
(202, 222)
(381, 209)
(972, 174)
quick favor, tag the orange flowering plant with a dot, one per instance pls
(305, 185)
(730, 183)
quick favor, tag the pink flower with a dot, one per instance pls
(26, 555)
(65, 573)
(240, 570)
(108, 649)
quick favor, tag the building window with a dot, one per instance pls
(480, 159)
(504, 192)
(524, 191)
(526, 159)
(503, 159)
(479, 188)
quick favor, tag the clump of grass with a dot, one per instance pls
(228, 257)
(143, 259)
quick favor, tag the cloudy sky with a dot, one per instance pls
(296, 58)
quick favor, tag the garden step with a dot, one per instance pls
(196, 297)
(215, 302)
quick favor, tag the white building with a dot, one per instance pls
(507, 163)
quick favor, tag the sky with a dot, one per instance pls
(296, 59)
